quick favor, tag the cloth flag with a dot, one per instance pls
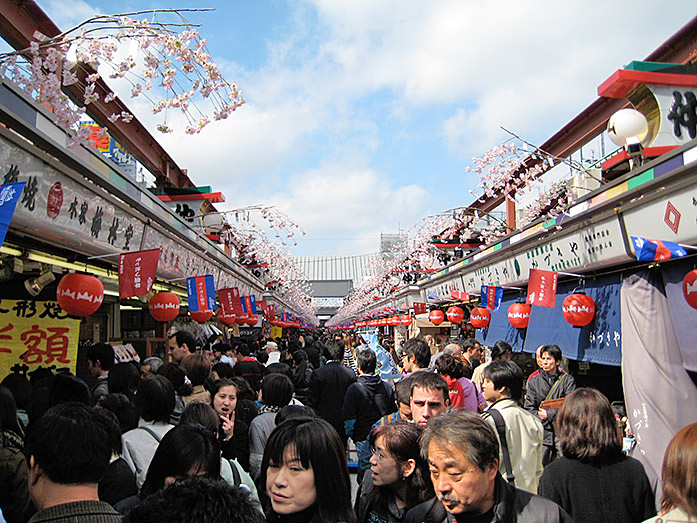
(201, 291)
(230, 300)
(491, 297)
(542, 288)
(137, 272)
(656, 250)
(459, 295)
(434, 297)
(9, 196)
(419, 308)
(386, 365)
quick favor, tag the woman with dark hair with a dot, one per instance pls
(679, 473)
(233, 433)
(197, 368)
(399, 477)
(182, 387)
(304, 477)
(247, 408)
(21, 391)
(124, 378)
(230, 469)
(14, 473)
(593, 480)
(302, 372)
(186, 451)
(122, 408)
(155, 401)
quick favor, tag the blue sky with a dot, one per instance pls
(362, 115)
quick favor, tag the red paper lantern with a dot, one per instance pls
(201, 316)
(578, 309)
(242, 319)
(436, 317)
(164, 306)
(455, 314)
(372, 323)
(406, 320)
(480, 317)
(519, 315)
(361, 323)
(352, 326)
(394, 321)
(80, 294)
(226, 319)
(252, 320)
(689, 288)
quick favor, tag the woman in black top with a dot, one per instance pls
(593, 480)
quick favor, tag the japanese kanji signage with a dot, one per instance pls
(201, 291)
(36, 334)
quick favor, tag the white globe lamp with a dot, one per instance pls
(627, 126)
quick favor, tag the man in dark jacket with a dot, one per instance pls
(367, 400)
(550, 384)
(463, 457)
(312, 352)
(328, 388)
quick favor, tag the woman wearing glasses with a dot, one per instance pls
(304, 477)
(399, 476)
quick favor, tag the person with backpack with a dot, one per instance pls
(367, 400)
(519, 432)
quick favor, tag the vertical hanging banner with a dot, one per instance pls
(230, 300)
(9, 196)
(542, 288)
(137, 272)
(419, 308)
(250, 304)
(201, 291)
(36, 334)
(491, 297)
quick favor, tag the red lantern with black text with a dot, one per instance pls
(164, 306)
(455, 314)
(519, 315)
(578, 309)
(80, 294)
(201, 316)
(406, 320)
(436, 317)
(226, 319)
(480, 318)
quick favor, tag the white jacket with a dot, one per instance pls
(524, 434)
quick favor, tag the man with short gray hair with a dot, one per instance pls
(463, 457)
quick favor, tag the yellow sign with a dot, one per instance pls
(276, 332)
(36, 334)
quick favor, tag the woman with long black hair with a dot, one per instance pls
(304, 477)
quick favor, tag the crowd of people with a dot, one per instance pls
(253, 431)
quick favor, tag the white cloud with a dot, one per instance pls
(353, 204)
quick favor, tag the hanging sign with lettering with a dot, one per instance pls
(36, 334)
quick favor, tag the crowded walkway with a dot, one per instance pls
(252, 430)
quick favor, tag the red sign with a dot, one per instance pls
(542, 288)
(230, 301)
(137, 272)
(419, 308)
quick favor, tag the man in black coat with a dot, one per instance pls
(328, 387)
(367, 400)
